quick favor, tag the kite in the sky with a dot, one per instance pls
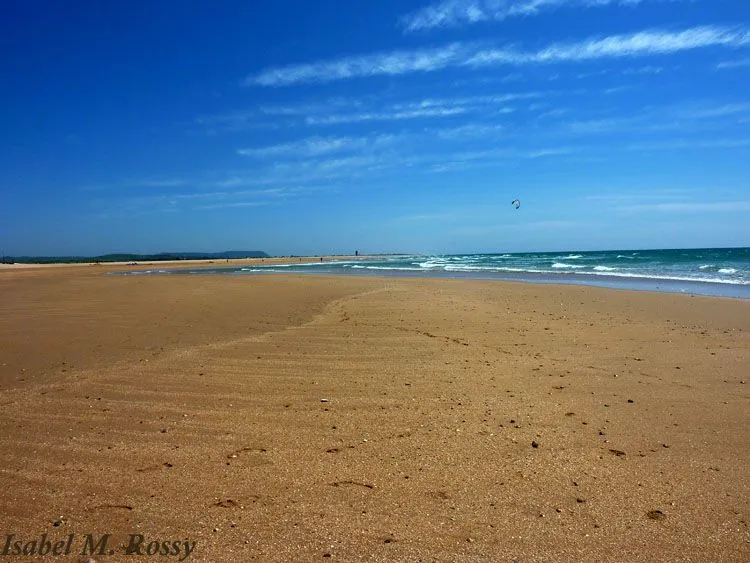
(516, 203)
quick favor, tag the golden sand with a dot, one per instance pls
(294, 418)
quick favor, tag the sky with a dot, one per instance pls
(329, 126)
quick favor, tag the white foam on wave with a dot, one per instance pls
(429, 264)
(706, 267)
(331, 263)
(468, 268)
(604, 269)
(665, 278)
(563, 265)
(494, 269)
(400, 268)
(727, 271)
(574, 256)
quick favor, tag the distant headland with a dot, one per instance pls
(160, 257)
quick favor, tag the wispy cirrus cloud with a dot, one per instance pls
(687, 144)
(642, 43)
(652, 194)
(739, 63)
(468, 131)
(691, 207)
(374, 109)
(458, 55)
(399, 115)
(428, 108)
(392, 63)
(429, 217)
(455, 13)
(316, 146)
(201, 200)
(715, 111)
(692, 118)
(649, 69)
(671, 200)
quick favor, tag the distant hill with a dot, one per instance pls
(160, 257)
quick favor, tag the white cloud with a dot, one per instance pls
(468, 131)
(428, 108)
(316, 146)
(717, 111)
(680, 117)
(650, 42)
(734, 64)
(510, 153)
(679, 144)
(468, 101)
(654, 194)
(650, 69)
(453, 13)
(593, 126)
(384, 116)
(205, 200)
(643, 43)
(691, 207)
(617, 89)
(427, 217)
(393, 63)
(495, 228)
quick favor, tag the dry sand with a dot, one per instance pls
(293, 418)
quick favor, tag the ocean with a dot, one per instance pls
(707, 271)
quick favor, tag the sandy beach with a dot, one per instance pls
(299, 418)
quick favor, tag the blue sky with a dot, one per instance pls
(303, 127)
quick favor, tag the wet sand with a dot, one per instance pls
(296, 418)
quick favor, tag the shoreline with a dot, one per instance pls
(621, 283)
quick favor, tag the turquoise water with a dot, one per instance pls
(712, 271)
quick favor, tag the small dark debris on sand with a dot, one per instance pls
(351, 483)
